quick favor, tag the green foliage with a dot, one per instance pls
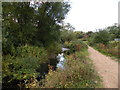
(24, 63)
(23, 24)
(79, 34)
(29, 35)
(32, 51)
(76, 45)
(104, 41)
(78, 73)
(67, 35)
(112, 49)
(114, 31)
(102, 37)
(48, 20)
(54, 48)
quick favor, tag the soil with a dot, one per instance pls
(106, 67)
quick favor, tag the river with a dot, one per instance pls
(58, 62)
(61, 59)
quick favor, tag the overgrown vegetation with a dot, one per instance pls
(34, 33)
(74, 46)
(30, 38)
(106, 41)
(78, 73)
(112, 49)
(24, 63)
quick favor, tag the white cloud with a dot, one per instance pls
(88, 15)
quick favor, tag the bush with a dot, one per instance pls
(112, 49)
(76, 45)
(102, 37)
(54, 48)
(23, 65)
(67, 35)
(78, 73)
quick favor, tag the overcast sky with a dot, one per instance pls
(89, 15)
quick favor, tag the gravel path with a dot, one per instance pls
(106, 68)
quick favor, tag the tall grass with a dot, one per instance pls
(112, 49)
(78, 73)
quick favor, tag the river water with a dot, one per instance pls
(61, 59)
(59, 63)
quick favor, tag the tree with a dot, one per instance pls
(102, 36)
(79, 34)
(49, 17)
(67, 33)
(18, 26)
(39, 29)
(114, 31)
(23, 24)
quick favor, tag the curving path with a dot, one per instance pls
(106, 68)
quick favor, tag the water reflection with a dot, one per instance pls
(61, 60)
(65, 49)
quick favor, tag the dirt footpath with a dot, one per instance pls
(106, 68)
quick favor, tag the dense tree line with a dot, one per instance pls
(31, 32)
(105, 35)
(23, 24)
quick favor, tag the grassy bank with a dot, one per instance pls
(112, 49)
(78, 73)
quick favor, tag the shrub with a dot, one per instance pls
(102, 37)
(76, 45)
(54, 48)
(78, 73)
(23, 65)
(112, 49)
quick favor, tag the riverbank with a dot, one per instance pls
(78, 73)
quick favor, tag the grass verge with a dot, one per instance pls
(78, 73)
(114, 57)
